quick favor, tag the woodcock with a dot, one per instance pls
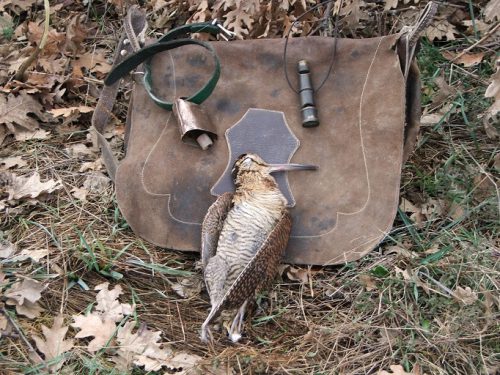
(244, 236)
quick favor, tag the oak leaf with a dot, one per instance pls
(54, 42)
(143, 348)
(79, 193)
(26, 290)
(467, 59)
(66, 112)
(399, 370)
(24, 296)
(368, 282)
(492, 113)
(96, 183)
(239, 22)
(17, 6)
(441, 28)
(95, 62)
(298, 274)
(389, 4)
(492, 11)
(28, 309)
(6, 249)
(15, 110)
(12, 161)
(465, 295)
(108, 304)
(187, 287)
(54, 344)
(19, 187)
(93, 325)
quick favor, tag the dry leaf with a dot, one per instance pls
(456, 211)
(3, 324)
(239, 22)
(15, 110)
(108, 304)
(76, 33)
(17, 6)
(54, 344)
(406, 275)
(93, 325)
(13, 161)
(184, 361)
(467, 296)
(492, 114)
(54, 40)
(187, 288)
(484, 187)
(20, 187)
(143, 349)
(28, 309)
(21, 135)
(492, 11)
(26, 290)
(79, 149)
(298, 274)
(467, 59)
(24, 295)
(443, 92)
(401, 251)
(101, 324)
(397, 370)
(6, 249)
(53, 65)
(353, 13)
(389, 4)
(66, 112)
(34, 255)
(96, 183)
(441, 28)
(91, 165)
(416, 213)
(368, 282)
(92, 62)
(79, 193)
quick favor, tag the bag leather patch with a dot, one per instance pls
(265, 133)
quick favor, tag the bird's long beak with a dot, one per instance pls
(291, 167)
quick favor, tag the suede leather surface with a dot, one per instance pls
(344, 209)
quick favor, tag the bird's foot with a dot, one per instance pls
(235, 336)
(236, 326)
(206, 334)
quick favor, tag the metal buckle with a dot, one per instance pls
(224, 33)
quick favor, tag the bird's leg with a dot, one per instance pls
(235, 330)
(206, 333)
(205, 330)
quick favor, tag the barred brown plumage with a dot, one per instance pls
(244, 236)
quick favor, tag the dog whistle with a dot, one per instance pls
(194, 124)
(306, 92)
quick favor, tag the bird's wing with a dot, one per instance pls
(261, 268)
(212, 225)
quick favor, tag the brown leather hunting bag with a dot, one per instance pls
(368, 110)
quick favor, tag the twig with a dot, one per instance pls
(26, 63)
(486, 36)
(21, 334)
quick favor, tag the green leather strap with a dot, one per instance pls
(167, 42)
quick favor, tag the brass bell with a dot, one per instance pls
(194, 124)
